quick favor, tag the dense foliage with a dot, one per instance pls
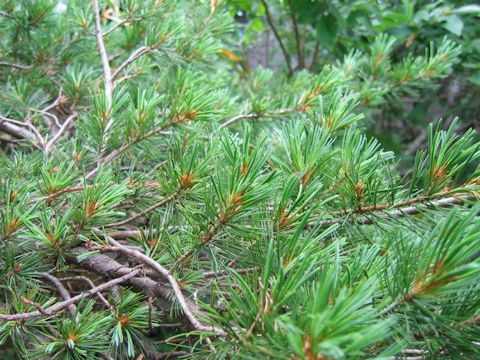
(159, 198)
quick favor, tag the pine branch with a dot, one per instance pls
(398, 210)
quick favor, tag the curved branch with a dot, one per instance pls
(116, 246)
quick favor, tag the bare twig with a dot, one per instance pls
(133, 56)
(92, 286)
(60, 132)
(146, 211)
(6, 14)
(316, 51)
(256, 116)
(17, 129)
(222, 273)
(107, 74)
(64, 294)
(120, 23)
(34, 304)
(16, 66)
(62, 305)
(119, 151)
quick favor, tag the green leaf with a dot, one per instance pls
(475, 78)
(468, 9)
(454, 24)
(327, 30)
(256, 25)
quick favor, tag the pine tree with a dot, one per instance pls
(156, 203)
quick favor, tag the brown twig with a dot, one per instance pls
(316, 51)
(34, 304)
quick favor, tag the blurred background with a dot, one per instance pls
(291, 36)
